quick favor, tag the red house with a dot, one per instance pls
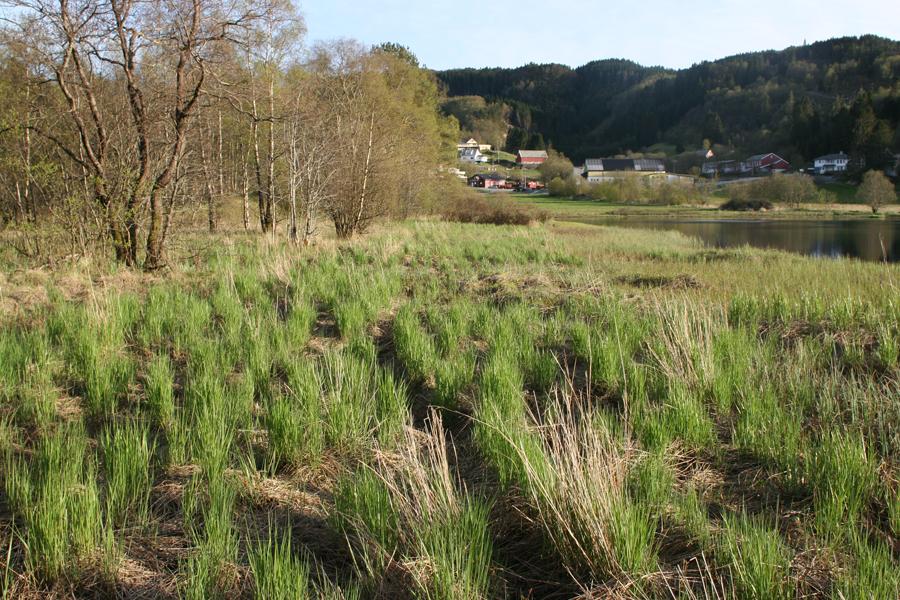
(765, 163)
(531, 158)
(489, 181)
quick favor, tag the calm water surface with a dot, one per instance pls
(866, 239)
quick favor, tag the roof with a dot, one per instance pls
(491, 176)
(646, 165)
(838, 156)
(469, 152)
(762, 156)
(532, 154)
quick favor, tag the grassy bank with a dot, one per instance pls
(453, 411)
(587, 210)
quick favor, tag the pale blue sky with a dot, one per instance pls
(446, 34)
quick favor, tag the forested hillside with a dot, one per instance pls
(841, 94)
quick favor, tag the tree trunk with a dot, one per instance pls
(221, 159)
(271, 156)
(245, 192)
(365, 183)
(211, 211)
(27, 197)
(264, 222)
(20, 207)
(155, 239)
(292, 182)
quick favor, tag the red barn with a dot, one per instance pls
(531, 158)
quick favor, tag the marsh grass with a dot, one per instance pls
(620, 433)
(411, 507)
(844, 480)
(127, 460)
(758, 559)
(278, 573)
(159, 387)
(59, 503)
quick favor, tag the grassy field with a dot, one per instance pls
(500, 155)
(444, 411)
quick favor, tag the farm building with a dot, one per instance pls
(722, 167)
(765, 163)
(531, 158)
(760, 164)
(487, 181)
(599, 170)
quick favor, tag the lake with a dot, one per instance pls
(865, 239)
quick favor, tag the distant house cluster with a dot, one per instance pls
(471, 151)
(760, 164)
(496, 181)
(602, 170)
(488, 181)
(472, 143)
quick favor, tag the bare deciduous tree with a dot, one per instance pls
(157, 51)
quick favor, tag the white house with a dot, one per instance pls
(832, 163)
(472, 155)
(473, 143)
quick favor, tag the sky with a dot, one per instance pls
(676, 34)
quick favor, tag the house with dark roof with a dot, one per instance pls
(761, 164)
(599, 170)
(531, 158)
(721, 167)
(487, 181)
(472, 155)
(831, 163)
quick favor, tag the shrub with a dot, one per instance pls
(876, 190)
(636, 189)
(565, 188)
(556, 166)
(793, 190)
(745, 204)
(670, 194)
(606, 192)
(475, 208)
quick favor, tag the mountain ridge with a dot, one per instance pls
(842, 93)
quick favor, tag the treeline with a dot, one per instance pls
(120, 120)
(847, 90)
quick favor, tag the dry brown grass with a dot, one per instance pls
(478, 208)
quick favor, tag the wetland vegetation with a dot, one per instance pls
(447, 410)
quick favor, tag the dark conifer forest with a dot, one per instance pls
(836, 95)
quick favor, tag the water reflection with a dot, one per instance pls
(870, 239)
